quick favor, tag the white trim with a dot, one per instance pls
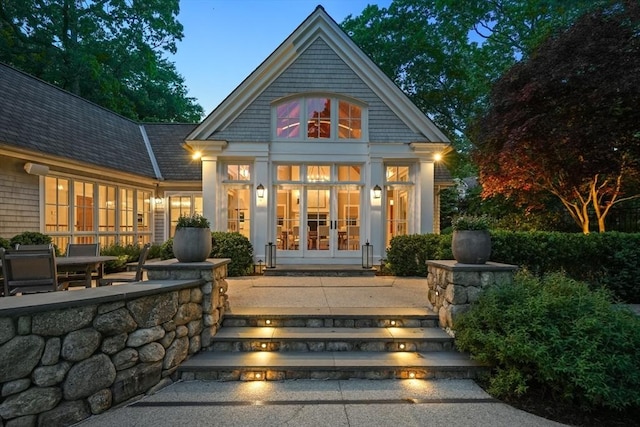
(152, 157)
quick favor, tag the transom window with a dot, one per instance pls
(313, 118)
(238, 173)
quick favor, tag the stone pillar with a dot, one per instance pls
(215, 302)
(454, 286)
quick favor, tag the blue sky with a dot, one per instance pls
(225, 40)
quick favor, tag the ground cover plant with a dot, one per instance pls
(555, 340)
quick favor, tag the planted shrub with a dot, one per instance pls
(225, 245)
(125, 254)
(407, 255)
(32, 238)
(556, 335)
(236, 247)
(4, 243)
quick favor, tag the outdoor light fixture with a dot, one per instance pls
(260, 190)
(393, 323)
(412, 374)
(270, 254)
(402, 346)
(263, 345)
(196, 155)
(377, 192)
(268, 321)
(437, 157)
(367, 255)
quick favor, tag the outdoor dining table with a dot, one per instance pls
(82, 263)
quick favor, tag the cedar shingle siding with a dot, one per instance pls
(19, 199)
(318, 69)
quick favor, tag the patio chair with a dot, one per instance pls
(323, 237)
(128, 277)
(29, 271)
(77, 278)
(42, 247)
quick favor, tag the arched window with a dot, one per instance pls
(314, 117)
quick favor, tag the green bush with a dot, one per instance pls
(236, 247)
(125, 254)
(556, 335)
(225, 245)
(407, 255)
(4, 243)
(32, 238)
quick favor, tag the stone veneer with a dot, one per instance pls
(454, 286)
(67, 355)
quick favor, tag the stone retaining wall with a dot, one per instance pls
(67, 355)
(453, 286)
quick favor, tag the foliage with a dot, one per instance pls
(610, 260)
(32, 238)
(195, 220)
(4, 243)
(407, 254)
(541, 135)
(225, 245)
(557, 335)
(235, 246)
(109, 52)
(445, 54)
(125, 253)
(471, 222)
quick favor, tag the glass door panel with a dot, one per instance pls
(397, 212)
(288, 234)
(318, 208)
(348, 219)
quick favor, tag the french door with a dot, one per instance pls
(318, 220)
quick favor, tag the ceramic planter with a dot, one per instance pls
(471, 246)
(192, 244)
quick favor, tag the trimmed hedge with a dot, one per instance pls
(555, 335)
(610, 260)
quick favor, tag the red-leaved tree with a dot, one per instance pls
(567, 120)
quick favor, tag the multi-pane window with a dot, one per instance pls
(321, 118)
(318, 118)
(238, 173)
(80, 211)
(349, 121)
(183, 205)
(239, 210)
(397, 174)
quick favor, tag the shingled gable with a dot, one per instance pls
(174, 161)
(318, 25)
(39, 118)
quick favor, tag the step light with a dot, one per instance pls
(267, 322)
(402, 346)
(263, 345)
(412, 375)
(393, 323)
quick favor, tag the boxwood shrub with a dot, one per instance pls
(557, 336)
(407, 255)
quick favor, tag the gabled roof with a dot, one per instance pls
(40, 117)
(318, 24)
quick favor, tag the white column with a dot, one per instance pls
(376, 225)
(209, 192)
(426, 189)
(262, 226)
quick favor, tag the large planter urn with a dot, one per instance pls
(192, 244)
(471, 246)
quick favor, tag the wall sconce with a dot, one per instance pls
(377, 192)
(260, 191)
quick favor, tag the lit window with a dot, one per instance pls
(318, 118)
(397, 173)
(238, 173)
(322, 119)
(350, 121)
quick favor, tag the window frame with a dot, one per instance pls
(335, 120)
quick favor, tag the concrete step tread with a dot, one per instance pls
(327, 360)
(310, 334)
(349, 312)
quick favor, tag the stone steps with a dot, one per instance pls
(332, 270)
(329, 343)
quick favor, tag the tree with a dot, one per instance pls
(107, 51)
(445, 54)
(566, 121)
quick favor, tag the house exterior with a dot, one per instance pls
(316, 152)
